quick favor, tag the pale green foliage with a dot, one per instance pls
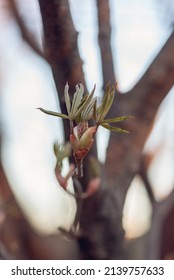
(84, 108)
(61, 152)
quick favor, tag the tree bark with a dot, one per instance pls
(104, 38)
(61, 50)
(60, 46)
(143, 101)
(60, 39)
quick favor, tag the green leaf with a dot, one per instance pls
(87, 113)
(99, 110)
(95, 110)
(62, 151)
(77, 99)
(86, 101)
(67, 99)
(117, 119)
(106, 103)
(113, 128)
(63, 116)
(78, 118)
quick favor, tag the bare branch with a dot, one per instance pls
(144, 165)
(104, 38)
(26, 35)
(124, 152)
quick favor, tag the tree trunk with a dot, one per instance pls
(60, 45)
(143, 101)
(61, 50)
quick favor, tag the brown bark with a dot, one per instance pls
(161, 238)
(104, 38)
(167, 240)
(60, 40)
(60, 46)
(124, 151)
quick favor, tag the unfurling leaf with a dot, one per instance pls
(114, 128)
(106, 104)
(83, 112)
(86, 101)
(117, 119)
(77, 99)
(52, 113)
(88, 112)
(62, 151)
(87, 138)
(67, 99)
(74, 142)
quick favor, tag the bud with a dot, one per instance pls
(87, 140)
(74, 142)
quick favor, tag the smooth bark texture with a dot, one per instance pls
(60, 41)
(104, 38)
(124, 151)
(60, 45)
(61, 50)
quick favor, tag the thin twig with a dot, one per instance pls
(143, 173)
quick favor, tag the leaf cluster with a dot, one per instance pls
(85, 107)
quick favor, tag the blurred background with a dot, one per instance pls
(139, 30)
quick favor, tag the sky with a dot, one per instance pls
(26, 83)
(137, 35)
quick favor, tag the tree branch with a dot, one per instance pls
(62, 52)
(26, 35)
(104, 38)
(124, 152)
(61, 45)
